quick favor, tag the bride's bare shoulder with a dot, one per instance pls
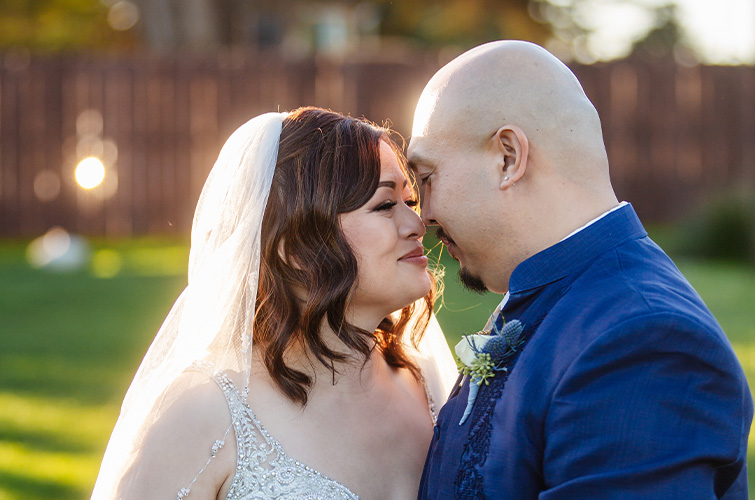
(192, 417)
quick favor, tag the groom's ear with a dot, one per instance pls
(513, 149)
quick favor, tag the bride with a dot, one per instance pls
(302, 360)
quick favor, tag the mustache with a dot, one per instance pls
(442, 235)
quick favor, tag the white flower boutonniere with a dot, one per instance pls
(482, 355)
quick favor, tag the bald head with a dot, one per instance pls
(522, 84)
(508, 148)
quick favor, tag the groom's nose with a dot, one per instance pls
(425, 203)
(426, 215)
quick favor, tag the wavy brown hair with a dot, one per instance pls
(328, 164)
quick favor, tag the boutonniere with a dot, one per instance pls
(482, 355)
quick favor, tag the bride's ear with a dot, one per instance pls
(512, 146)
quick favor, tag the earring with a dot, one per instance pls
(506, 178)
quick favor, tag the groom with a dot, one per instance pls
(624, 387)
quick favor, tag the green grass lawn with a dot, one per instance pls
(70, 343)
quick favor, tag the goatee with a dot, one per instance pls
(471, 282)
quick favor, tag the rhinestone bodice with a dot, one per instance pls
(263, 469)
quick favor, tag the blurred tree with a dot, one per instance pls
(582, 31)
(305, 25)
(168, 24)
(52, 25)
(202, 23)
(461, 22)
(665, 39)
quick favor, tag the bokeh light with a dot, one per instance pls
(89, 122)
(123, 15)
(46, 185)
(106, 263)
(90, 172)
(90, 145)
(57, 250)
(109, 153)
(110, 185)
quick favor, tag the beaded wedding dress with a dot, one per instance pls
(263, 469)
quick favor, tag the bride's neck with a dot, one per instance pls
(355, 372)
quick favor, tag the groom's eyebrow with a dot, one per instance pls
(418, 160)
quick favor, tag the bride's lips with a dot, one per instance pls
(416, 256)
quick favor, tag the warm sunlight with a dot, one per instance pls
(90, 173)
(722, 32)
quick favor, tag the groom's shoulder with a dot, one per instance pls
(634, 284)
(633, 301)
(639, 275)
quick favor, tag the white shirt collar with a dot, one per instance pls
(596, 219)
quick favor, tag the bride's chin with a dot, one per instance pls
(421, 295)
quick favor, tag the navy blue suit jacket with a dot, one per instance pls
(626, 389)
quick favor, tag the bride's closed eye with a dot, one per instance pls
(388, 205)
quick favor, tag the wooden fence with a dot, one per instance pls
(674, 134)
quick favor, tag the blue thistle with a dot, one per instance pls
(492, 358)
(505, 343)
(512, 333)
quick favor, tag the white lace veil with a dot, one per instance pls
(211, 321)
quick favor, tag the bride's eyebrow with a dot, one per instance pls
(391, 184)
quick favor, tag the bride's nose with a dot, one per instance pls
(412, 225)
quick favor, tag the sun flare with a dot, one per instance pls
(90, 172)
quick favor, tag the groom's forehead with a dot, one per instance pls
(419, 154)
(417, 163)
